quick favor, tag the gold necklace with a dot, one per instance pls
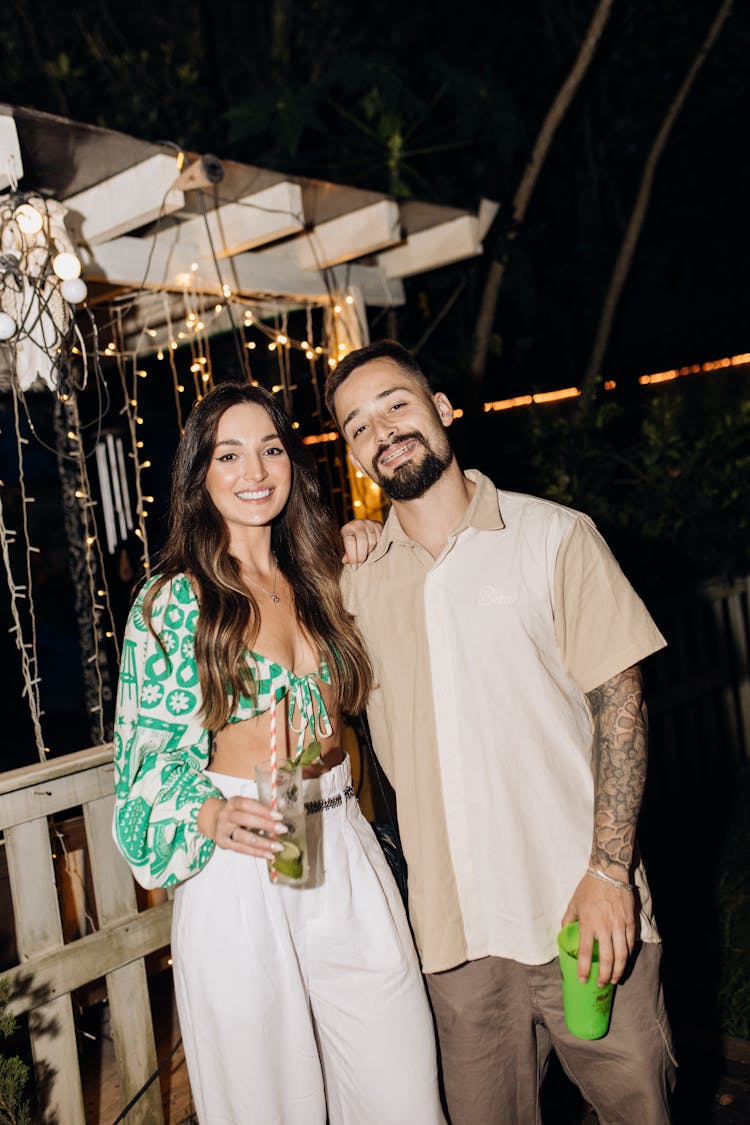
(269, 593)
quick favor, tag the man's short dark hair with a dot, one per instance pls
(382, 349)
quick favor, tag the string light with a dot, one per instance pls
(740, 360)
(317, 439)
(67, 266)
(29, 219)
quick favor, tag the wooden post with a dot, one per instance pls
(39, 930)
(127, 987)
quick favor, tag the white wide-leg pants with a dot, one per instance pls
(301, 1005)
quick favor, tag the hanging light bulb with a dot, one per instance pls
(7, 326)
(28, 218)
(74, 290)
(66, 266)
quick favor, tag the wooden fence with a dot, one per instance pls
(699, 701)
(48, 969)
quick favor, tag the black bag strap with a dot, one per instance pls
(365, 740)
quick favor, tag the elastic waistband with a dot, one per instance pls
(329, 791)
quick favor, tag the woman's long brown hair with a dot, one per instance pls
(305, 540)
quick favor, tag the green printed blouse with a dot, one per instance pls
(161, 747)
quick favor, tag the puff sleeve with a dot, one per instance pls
(161, 747)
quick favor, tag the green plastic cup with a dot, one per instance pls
(587, 1007)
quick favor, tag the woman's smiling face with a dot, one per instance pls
(250, 474)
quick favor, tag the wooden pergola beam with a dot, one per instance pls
(432, 247)
(254, 220)
(125, 201)
(356, 234)
(128, 262)
(11, 163)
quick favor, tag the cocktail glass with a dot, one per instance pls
(290, 866)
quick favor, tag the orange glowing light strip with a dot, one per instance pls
(696, 369)
(315, 439)
(610, 384)
(508, 403)
(526, 400)
(555, 396)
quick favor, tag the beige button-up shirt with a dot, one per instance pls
(483, 658)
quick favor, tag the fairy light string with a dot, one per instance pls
(28, 665)
(98, 585)
(27, 592)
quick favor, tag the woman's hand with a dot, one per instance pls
(242, 824)
(358, 538)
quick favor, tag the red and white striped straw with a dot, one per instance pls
(274, 765)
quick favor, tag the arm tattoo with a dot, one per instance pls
(620, 734)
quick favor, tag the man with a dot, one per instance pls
(509, 719)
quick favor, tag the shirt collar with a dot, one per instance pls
(483, 513)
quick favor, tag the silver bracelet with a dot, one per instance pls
(609, 879)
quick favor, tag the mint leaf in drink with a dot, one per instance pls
(311, 753)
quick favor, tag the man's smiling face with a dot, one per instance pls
(394, 428)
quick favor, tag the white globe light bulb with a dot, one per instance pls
(28, 218)
(7, 326)
(74, 290)
(66, 266)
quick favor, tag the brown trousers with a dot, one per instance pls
(498, 1020)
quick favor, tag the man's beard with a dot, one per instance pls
(410, 481)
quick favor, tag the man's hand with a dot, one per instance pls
(358, 538)
(607, 914)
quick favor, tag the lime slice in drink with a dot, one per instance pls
(289, 861)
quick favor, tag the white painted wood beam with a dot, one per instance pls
(281, 275)
(126, 201)
(356, 234)
(252, 221)
(11, 164)
(353, 235)
(127, 263)
(433, 247)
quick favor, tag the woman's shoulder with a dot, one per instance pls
(169, 597)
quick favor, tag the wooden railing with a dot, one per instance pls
(48, 969)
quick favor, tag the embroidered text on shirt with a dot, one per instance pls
(488, 595)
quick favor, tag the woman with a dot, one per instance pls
(297, 1004)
